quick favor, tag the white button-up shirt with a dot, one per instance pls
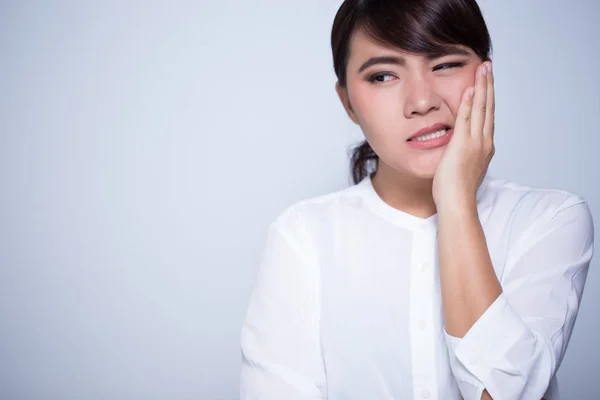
(347, 303)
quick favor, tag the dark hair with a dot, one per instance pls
(417, 26)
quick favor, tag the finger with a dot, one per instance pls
(479, 102)
(463, 118)
(488, 128)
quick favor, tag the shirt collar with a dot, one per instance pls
(398, 217)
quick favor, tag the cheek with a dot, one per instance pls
(363, 101)
(453, 90)
(373, 106)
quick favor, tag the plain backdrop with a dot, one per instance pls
(145, 146)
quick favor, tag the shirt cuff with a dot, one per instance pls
(499, 331)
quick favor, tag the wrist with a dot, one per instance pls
(462, 207)
(458, 209)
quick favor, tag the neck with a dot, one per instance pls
(406, 193)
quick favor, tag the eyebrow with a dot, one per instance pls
(397, 60)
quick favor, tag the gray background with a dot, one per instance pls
(146, 146)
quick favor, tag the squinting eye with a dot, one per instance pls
(380, 78)
(449, 66)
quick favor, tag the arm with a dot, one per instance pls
(505, 342)
(281, 356)
(512, 341)
(468, 281)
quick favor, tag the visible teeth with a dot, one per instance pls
(430, 136)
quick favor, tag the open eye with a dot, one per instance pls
(449, 66)
(381, 77)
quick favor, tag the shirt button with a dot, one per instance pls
(426, 394)
(422, 267)
(422, 325)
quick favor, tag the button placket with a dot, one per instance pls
(422, 334)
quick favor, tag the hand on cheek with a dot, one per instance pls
(471, 148)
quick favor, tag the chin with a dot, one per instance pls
(425, 169)
(417, 171)
(424, 173)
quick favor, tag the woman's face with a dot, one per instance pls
(394, 97)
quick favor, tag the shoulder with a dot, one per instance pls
(533, 210)
(318, 212)
(531, 199)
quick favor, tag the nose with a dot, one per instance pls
(421, 97)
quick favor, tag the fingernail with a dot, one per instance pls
(484, 70)
(471, 92)
(489, 67)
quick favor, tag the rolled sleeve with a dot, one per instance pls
(514, 349)
(499, 347)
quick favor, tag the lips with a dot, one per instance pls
(431, 142)
(430, 129)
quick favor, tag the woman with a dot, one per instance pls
(427, 279)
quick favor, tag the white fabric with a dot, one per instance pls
(347, 302)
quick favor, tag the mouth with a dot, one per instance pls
(430, 133)
(430, 136)
(434, 137)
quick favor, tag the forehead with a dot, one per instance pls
(363, 47)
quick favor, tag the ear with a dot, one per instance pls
(345, 99)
